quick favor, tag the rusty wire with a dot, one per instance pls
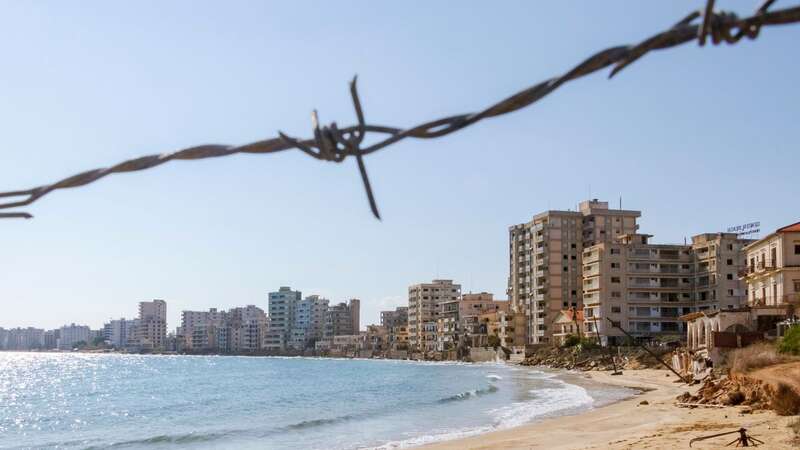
(334, 144)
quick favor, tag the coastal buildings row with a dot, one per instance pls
(298, 323)
(64, 338)
(443, 319)
(585, 271)
(242, 329)
(772, 276)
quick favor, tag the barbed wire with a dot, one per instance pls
(334, 144)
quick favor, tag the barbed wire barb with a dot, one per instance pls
(331, 143)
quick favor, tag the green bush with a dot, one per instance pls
(571, 340)
(791, 341)
(494, 341)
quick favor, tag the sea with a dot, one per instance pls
(93, 401)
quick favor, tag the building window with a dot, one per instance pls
(797, 285)
(566, 269)
(616, 309)
(729, 262)
(615, 279)
(615, 251)
(566, 257)
(797, 249)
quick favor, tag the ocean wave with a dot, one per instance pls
(313, 423)
(494, 377)
(468, 394)
(187, 438)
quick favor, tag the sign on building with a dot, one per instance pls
(747, 230)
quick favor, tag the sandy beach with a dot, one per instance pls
(628, 424)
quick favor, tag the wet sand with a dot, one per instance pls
(628, 424)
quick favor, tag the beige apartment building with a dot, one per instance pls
(646, 288)
(151, 331)
(773, 269)
(423, 311)
(718, 260)
(545, 260)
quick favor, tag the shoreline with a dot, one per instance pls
(628, 424)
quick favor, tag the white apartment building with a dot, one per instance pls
(22, 339)
(308, 323)
(545, 260)
(281, 316)
(69, 335)
(423, 311)
(118, 333)
(773, 269)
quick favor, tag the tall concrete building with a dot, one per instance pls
(281, 316)
(343, 319)
(718, 259)
(396, 318)
(70, 335)
(545, 260)
(22, 339)
(120, 332)
(50, 339)
(646, 288)
(308, 323)
(238, 330)
(204, 330)
(246, 329)
(151, 331)
(423, 311)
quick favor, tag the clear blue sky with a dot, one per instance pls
(698, 139)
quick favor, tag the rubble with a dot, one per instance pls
(733, 390)
(575, 358)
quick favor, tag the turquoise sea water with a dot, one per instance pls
(131, 401)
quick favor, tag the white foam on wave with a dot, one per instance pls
(435, 436)
(494, 377)
(546, 401)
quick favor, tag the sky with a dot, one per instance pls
(698, 139)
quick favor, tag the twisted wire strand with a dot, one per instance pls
(331, 143)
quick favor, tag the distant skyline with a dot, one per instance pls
(698, 139)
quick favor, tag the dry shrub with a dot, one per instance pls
(762, 354)
(785, 402)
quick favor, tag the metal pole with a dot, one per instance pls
(617, 326)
